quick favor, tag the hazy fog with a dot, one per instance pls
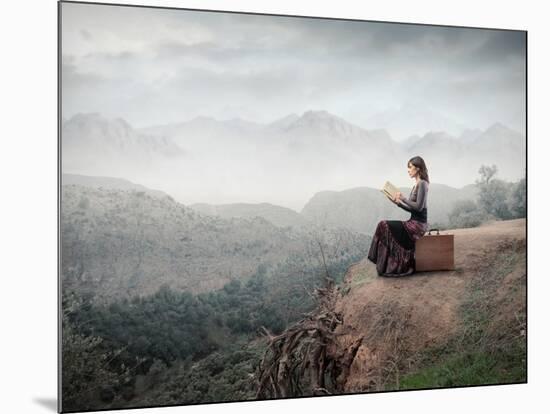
(283, 163)
(154, 66)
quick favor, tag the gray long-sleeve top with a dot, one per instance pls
(418, 198)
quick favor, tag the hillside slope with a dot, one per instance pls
(414, 325)
(122, 243)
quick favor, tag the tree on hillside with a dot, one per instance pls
(466, 213)
(496, 199)
(493, 193)
(518, 199)
(486, 172)
(88, 380)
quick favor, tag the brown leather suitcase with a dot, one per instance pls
(435, 252)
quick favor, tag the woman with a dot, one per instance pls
(392, 247)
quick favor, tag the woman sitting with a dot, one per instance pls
(392, 247)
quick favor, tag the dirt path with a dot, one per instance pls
(400, 315)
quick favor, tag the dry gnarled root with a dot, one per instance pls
(307, 359)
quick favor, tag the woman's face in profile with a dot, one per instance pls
(412, 170)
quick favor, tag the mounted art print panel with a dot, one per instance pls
(257, 206)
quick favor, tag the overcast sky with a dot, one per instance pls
(153, 66)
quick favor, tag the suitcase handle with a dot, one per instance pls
(430, 231)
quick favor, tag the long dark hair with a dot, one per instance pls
(419, 163)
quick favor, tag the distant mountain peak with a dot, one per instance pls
(94, 137)
(322, 122)
(286, 118)
(414, 119)
(313, 112)
(289, 116)
(438, 135)
(85, 117)
(320, 115)
(498, 127)
(89, 119)
(241, 123)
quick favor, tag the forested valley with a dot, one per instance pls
(175, 346)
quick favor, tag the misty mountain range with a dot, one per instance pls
(281, 163)
(414, 120)
(90, 141)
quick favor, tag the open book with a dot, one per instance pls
(389, 190)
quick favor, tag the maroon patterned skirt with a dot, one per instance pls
(392, 247)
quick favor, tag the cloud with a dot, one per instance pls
(159, 66)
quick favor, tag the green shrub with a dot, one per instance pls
(466, 213)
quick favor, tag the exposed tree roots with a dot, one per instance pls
(307, 358)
